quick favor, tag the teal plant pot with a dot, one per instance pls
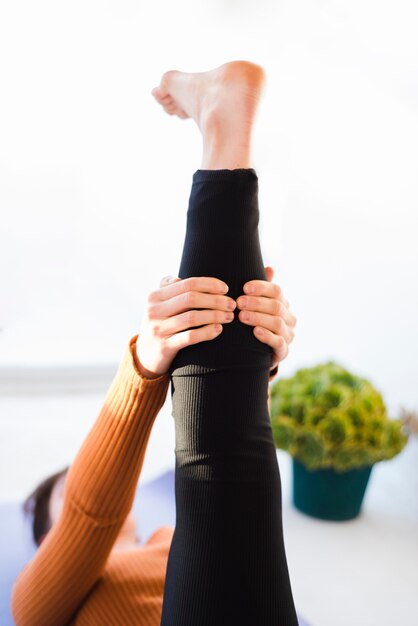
(328, 494)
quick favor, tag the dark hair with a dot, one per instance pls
(36, 506)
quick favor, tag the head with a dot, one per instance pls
(44, 504)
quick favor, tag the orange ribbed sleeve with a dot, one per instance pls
(99, 492)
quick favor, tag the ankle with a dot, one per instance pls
(221, 159)
(225, 147)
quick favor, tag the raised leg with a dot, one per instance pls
(227, 564)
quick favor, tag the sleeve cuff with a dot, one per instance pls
(133, 357)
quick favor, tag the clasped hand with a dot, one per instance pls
(179, 305)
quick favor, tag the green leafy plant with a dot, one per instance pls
(324, 416)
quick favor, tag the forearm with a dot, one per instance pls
(103, 477)
(99, 492)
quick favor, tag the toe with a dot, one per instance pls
(159, 94)
(170, 108)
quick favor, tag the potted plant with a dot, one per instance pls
(335, 426)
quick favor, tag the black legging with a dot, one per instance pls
(227, 563)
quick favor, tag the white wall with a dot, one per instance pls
(95, 178)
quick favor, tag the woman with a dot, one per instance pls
(226, 561)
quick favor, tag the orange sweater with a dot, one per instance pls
(75, 577)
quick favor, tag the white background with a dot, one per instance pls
(95, 178)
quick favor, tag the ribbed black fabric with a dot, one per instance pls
(227, 564)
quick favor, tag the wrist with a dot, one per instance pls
(144, 371)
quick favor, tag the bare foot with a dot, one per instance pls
(223, 103)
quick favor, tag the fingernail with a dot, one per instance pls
(218, 328)
(249, 288)
(231, 304)
(243, 302)
(223, 287)
(259, 331)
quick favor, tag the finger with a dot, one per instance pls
(270, 322)
(279, 345)
(269, 273)
(193, 318)
(266, 305)
(167, 280)
(204, 284)
(191, 337)
(263, 288)
(187, 301)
